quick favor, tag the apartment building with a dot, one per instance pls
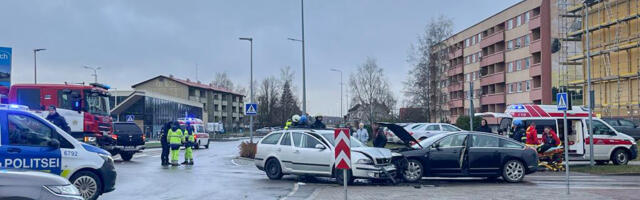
(504, 59)
(219, 105)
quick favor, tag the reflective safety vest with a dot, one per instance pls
(190, 138)
(175, 137)
(286, 125)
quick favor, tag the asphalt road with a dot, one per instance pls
(215, 175)
(218, 174)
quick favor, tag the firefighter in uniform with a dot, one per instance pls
(190, 141)
(176, 138)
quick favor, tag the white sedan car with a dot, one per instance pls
(422, 131)
(311, 152)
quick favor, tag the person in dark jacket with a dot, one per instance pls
(57, 119)
(318, 123)
(518, 131)
(484, 127)
(380, 140)
(164, 157)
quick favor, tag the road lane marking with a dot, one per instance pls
(234, 162)
(314, 194)
(293, 191)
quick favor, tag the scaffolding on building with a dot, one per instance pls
(614, 28)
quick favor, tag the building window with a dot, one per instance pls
(510, 45)
(528, 85)
(510, 86)
(467, 42)
(518, 65)
(519, 86)
(510, 67)
(526, 40)
(215, 108)
(473, 58)
(518, 21)
(526, 17)
(509, 24)
(517, 43)
(479, 37)
(526, 63)
(468, 77)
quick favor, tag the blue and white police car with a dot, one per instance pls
(29, 141)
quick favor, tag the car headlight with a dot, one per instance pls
(106, 158)
(69, 190)
(365, 161)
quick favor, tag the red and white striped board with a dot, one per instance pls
(343, 148)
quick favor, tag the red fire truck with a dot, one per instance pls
(85, 108)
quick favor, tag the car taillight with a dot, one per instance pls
(195, 136)
(144, 137)
(114, 136)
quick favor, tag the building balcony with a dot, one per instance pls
(492, 79)
(455, 70)
(455, 87)
(535, 22)
(455, 54)
(491, 59)
(535, 94)
(492, 39)
(496, 98)
(455, 103)
(535, 70)
(535, 46)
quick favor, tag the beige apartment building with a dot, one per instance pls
(506, 58)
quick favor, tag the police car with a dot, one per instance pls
(29, 141)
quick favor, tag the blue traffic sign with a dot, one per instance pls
(251, 109)
(130, 118)
(5, 67)
(562, 100)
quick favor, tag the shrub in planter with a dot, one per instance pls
(247, 150)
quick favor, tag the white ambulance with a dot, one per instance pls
(608, 144)
(201, 135)
(28, 141)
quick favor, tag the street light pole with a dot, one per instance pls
(251, 88)
(95, 72)
(35, 66)
(337, 70)
(590, 103)
(304, 81)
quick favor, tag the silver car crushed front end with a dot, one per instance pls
(375, 163)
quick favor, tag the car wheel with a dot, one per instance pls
(620, 157)
(413, 172)
(602, 162)
(206, 146)
(513, 171)
(339, 174)
(126, 156)
(273, 169)
(88, 184)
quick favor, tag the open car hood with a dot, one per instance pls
(400, 132)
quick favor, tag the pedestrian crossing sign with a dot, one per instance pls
(130, 118)
(250, 109)
(562, 100)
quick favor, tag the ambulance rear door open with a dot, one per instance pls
(576, 133)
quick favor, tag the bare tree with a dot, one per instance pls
(430, 59)
(370, 90)
(268, 96)
(222, 80)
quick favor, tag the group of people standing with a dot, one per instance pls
(529, 136)
(172, 138)
(362, 135)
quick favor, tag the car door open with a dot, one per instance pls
(446, 155)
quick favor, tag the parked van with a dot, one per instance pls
(608, 144)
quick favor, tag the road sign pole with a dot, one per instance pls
(566, 150)
(345, 183)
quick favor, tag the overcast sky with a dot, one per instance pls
(135, 40)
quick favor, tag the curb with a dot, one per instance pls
(243, 158)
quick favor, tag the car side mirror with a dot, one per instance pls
(54, 144)
(436, 146)
(320, 146)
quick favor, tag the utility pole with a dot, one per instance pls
(95, 72)
(471, 106)
(590, 103)
(35, 66)
(304, 81)
(251, 89)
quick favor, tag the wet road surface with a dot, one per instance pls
(218, 174)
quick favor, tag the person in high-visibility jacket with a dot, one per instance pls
(287, 124)
(176, 138)
(190, 141)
